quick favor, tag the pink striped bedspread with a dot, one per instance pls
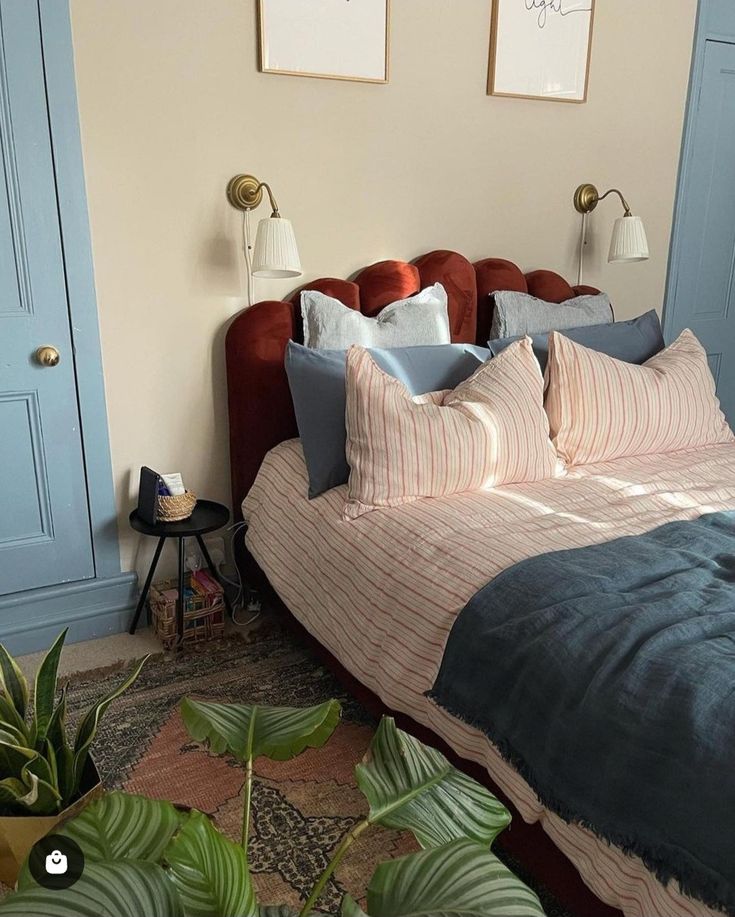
(381, 593)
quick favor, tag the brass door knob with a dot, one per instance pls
(48, 355)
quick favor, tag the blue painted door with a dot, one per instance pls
(702, 282)
(44, 518)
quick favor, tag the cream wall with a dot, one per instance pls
(172, 105)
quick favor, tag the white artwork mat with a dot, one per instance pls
(342, 39)
(541, 48)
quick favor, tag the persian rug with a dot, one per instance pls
(300, 808)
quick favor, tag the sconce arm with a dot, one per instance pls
(274, 205)
(586, 198)
(622, 200)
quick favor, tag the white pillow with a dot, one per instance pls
(520, 313)
(421, 319)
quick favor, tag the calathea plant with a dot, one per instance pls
(41, 768)
(145, 857)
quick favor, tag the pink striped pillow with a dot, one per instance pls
(601, 408)
(490, 430)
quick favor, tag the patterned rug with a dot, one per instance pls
(301, 808)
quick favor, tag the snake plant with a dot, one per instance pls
(145, 856)
(41, 766)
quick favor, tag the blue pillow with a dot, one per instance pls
(634, 341)
(317, 382)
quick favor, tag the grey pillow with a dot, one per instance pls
(317, 382)
(520, 313)
(633, 341)
(420, 319)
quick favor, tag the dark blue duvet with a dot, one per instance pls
(606, 675)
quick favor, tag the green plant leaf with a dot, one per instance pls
(45, 799)
(411, 786)
(9, 735)
(56, 732)
(108, 889)
(350, 908)
(119, 826)
(65, 767)
(41, 767)
(29, 792)
(248, 731)
(13, 683)
(11, 721)
(56, 735)
(53, 766)
(15, 793)
(460, 879)
(30, 781)
(13, 758)
(87, 729)
(45, 688)
(277, 910)
(209, 871)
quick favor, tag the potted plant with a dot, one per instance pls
(45, 775)
(144, 856)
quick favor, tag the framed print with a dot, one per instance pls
(540, 49)
(332, 39)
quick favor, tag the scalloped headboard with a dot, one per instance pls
(259, 400)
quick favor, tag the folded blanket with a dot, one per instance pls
(606, 676)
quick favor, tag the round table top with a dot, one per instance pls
(207, 517)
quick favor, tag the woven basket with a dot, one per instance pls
(204, 615)
(174, 509)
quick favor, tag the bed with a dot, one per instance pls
(381, 594)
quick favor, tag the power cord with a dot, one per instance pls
(253, 603)
(582, 243)
(247, 250)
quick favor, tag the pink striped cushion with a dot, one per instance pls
(490, 430)
(601, 408)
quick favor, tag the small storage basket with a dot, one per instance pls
(177, 508)
(204, 609)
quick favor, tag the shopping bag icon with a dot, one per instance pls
(56, 864)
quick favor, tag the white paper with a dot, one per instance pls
(174, 484)
(541, 48)
(342, 38)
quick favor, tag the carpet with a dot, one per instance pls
(301, 808)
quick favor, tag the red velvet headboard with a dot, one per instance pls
(260, 408)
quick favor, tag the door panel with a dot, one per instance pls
(704, 260)
(28, 514)
(44, 518)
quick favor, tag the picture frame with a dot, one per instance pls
(541, 49)
(349, 39)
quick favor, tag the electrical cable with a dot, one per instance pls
(582, 243)
(247, 249)
(252, 604)
(193, 562)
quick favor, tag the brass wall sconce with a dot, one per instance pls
(628, 241)
(275, 254)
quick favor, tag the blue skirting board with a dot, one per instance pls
(31, 621)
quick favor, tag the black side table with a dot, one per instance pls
(208, 516)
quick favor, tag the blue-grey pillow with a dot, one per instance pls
(521, 313)
(317, 382)
(633, 341)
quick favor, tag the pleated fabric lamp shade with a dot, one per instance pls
(628, 242)
(275, 253)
